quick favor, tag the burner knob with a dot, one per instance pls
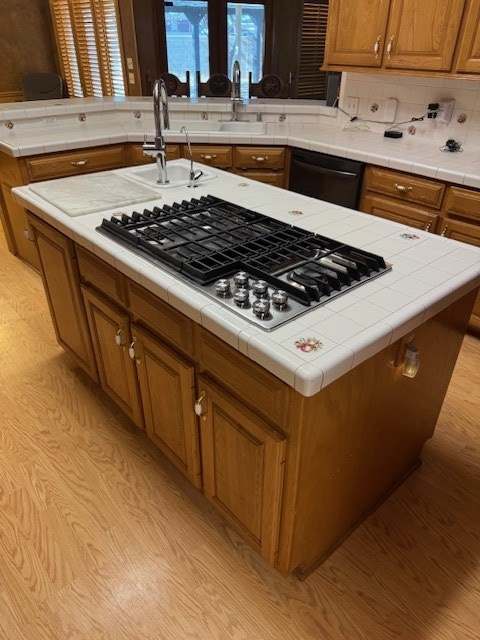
(259, 287)
(240, 297)
(261, 308)
(222, 287)
(280, 298)
(241, 279)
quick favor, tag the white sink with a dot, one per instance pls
(178, 174)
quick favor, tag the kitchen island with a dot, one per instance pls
(294, 446)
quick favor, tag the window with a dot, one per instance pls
(208, 35)
(89, 46)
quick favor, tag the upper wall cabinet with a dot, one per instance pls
(393, 34)
(469, 47)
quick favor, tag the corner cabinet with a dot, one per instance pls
(425, 203)
(393, 35)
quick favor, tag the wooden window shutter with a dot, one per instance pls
(311, 82)
(92, 29)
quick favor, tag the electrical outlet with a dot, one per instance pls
(351, 106)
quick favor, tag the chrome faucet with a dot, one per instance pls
(235, 98)
(193, 175)
(157, 149)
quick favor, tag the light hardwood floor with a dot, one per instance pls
(101, 539)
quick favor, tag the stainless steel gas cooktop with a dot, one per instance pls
(264, 270)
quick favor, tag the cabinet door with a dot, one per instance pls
(356, 32)
(422, 35)
(461, 231)
(62, 287)
(167, 389)
(469, 41)
(399, 212)
(242, 464)
(111, 337)
(16, 227)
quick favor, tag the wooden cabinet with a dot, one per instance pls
(167, 387)
(431, 205)
(393, 35)
(265, 164)
(72, 163)
(219, 156)
(15, 172)
(402, 197)
(62, 287)
(243, 465)
(111, 337)
(468, 60)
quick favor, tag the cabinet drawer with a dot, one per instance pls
(136, 155)
(220, 156)
(167, 322)
(464, 203)
(259, 158)
(252, 384)
(404, 186)
(461, 231)
(275, 178)
(400, 212)
(101, 276)
(57, 165)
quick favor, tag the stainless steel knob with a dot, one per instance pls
(222, 287)
(241, 279)
(279, 298)
(259, 287)
(241, 297)
(261, 308)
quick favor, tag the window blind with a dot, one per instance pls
(311, 82)
(89, 46)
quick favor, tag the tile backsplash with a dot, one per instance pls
(413, 95)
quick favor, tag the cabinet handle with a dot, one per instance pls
(402, 188)
(79, 163)
(118, 337)
(208, 157)
(198, 405)
(390, 46)
(131, 351)
(376, 47)
(429, 226)
(444, 230)
(259, 159)
(28, 234)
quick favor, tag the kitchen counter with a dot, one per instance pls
(49, 126)
(428, 275)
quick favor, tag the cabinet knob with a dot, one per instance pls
(429, 226)
(198, 405)
(402, 188)
(376, 47)
(27, 234)
(207, 157)
(260, 159)
(79, 163)
(444, 230)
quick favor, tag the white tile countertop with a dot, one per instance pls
(49, 126)
(428, 274)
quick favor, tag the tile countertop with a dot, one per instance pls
(428, 274)
(413, 154)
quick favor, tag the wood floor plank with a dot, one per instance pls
(101, 538)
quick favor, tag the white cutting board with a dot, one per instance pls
(79, 195)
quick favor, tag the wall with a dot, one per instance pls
(413, 95)
(26, 44)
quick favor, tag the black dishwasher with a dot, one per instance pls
(326, 177)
